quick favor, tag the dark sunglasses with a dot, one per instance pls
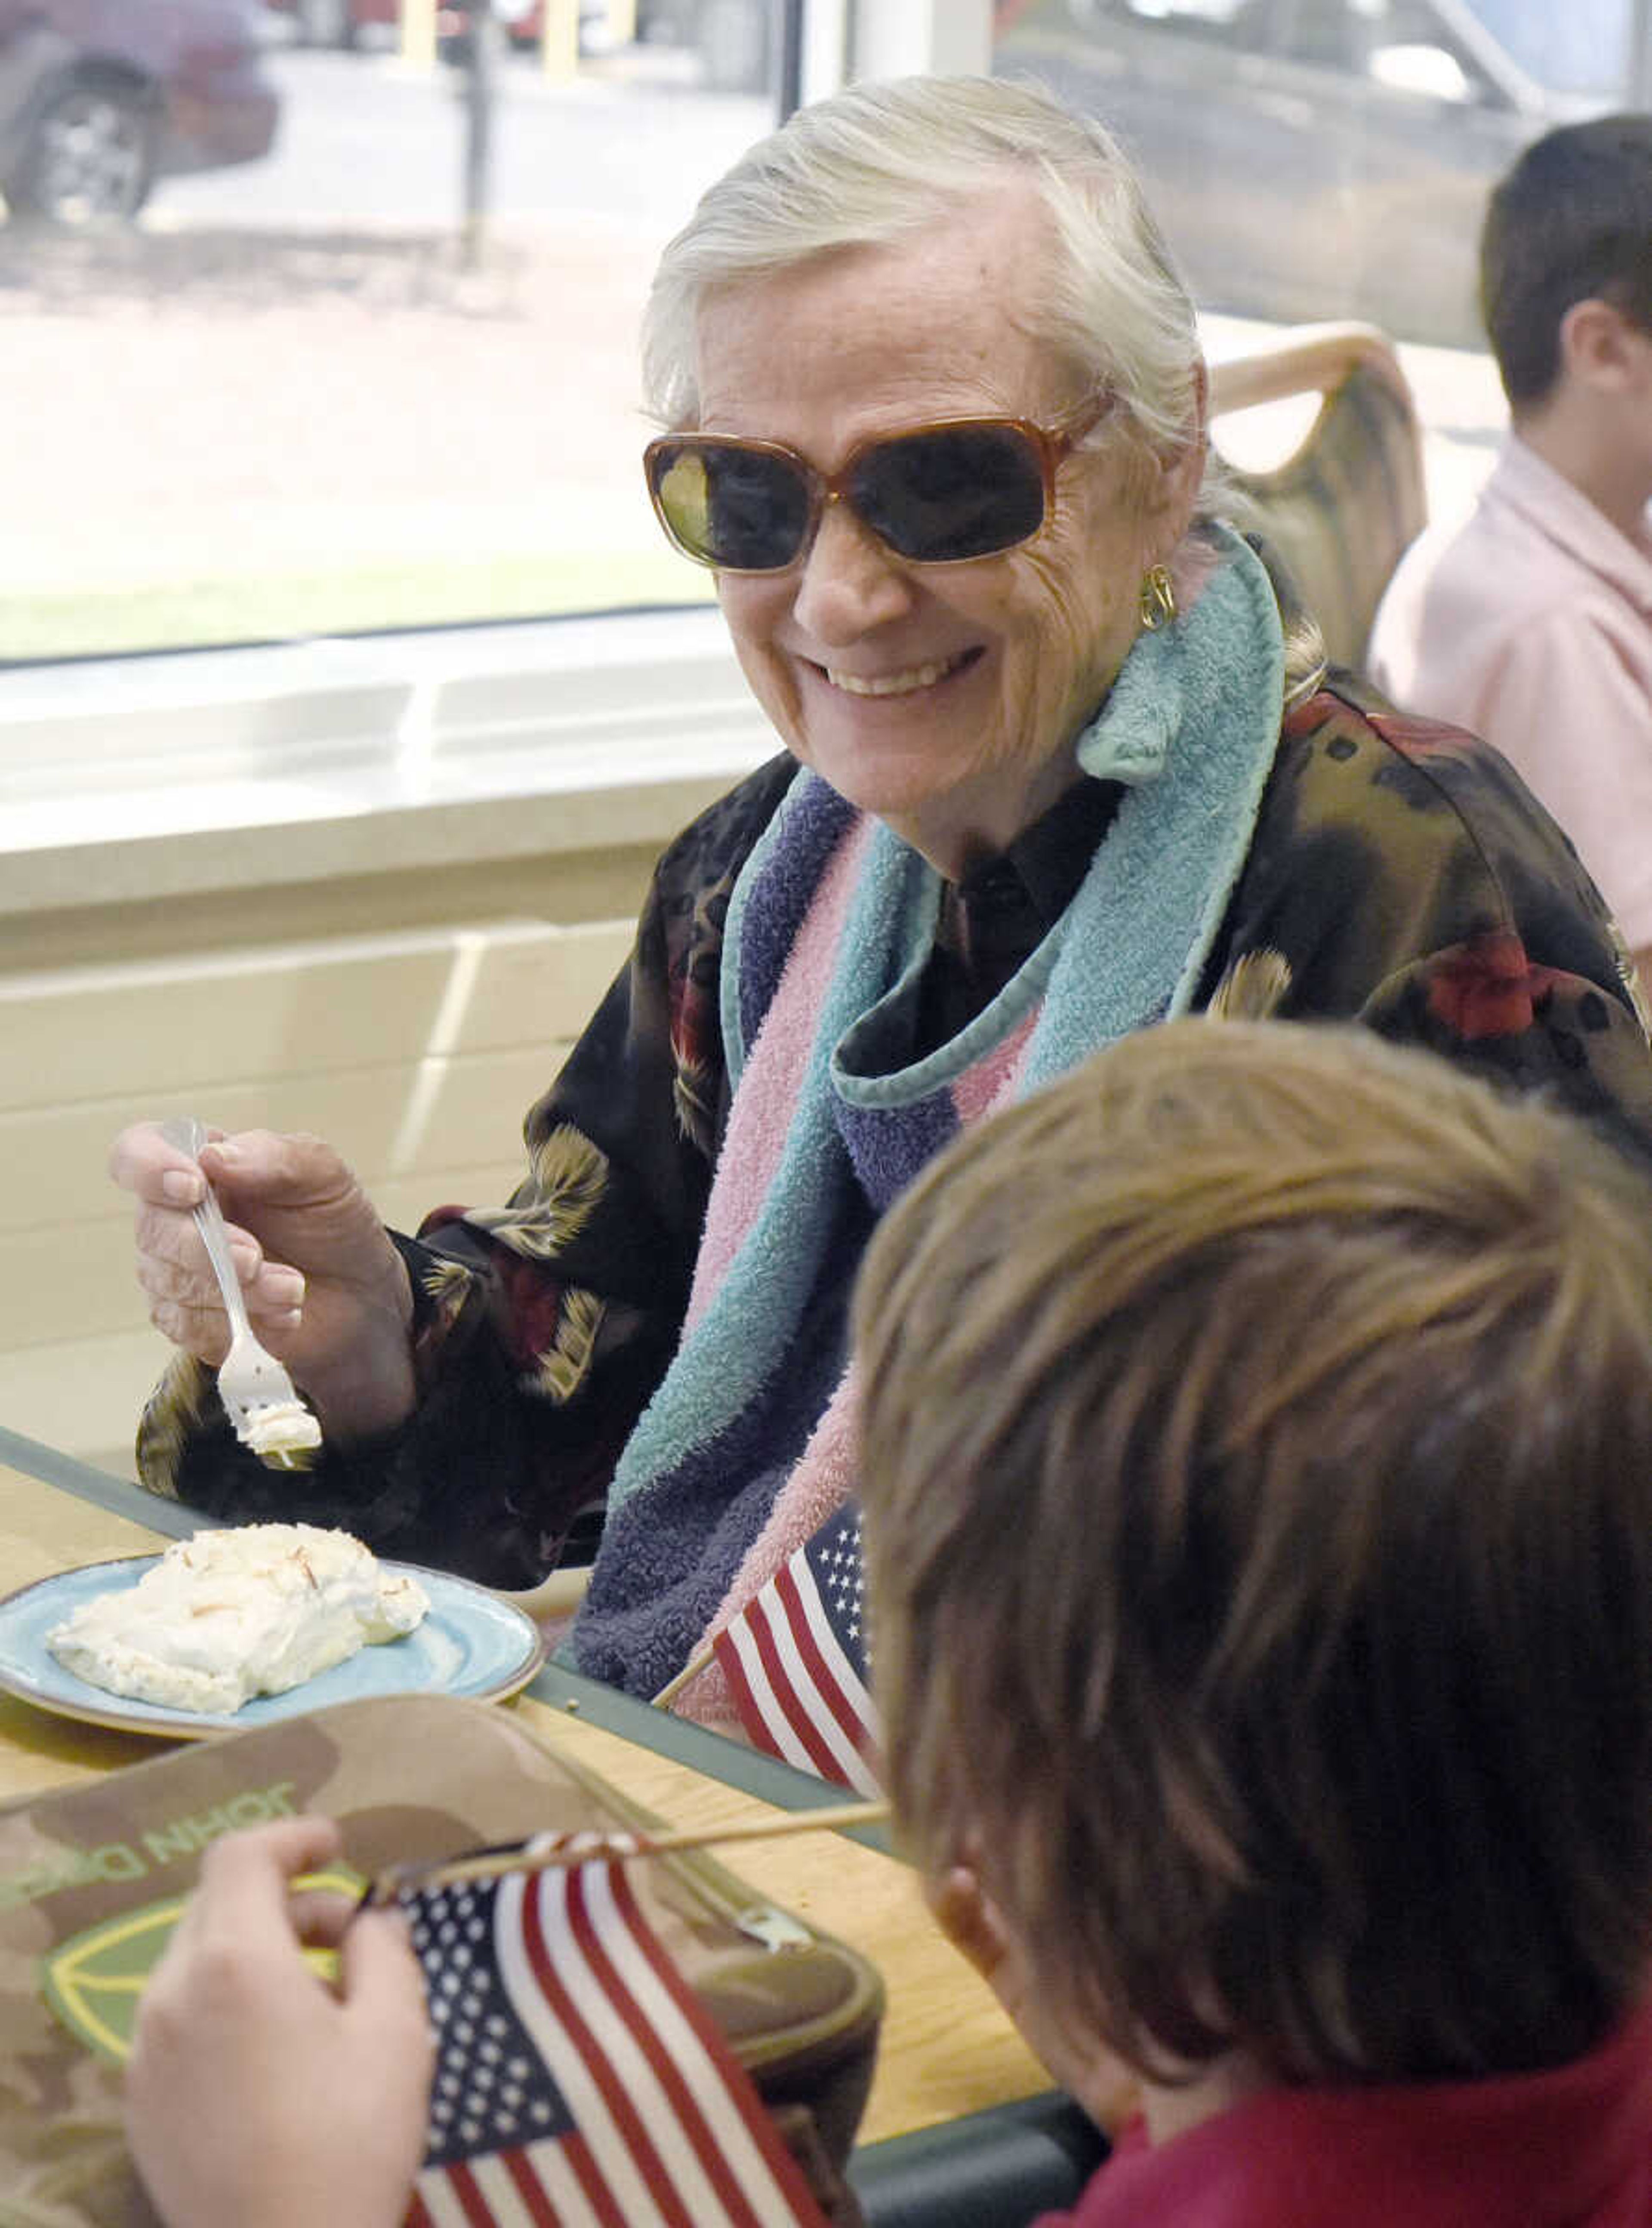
(938, 494)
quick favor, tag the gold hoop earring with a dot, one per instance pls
(1158, 598)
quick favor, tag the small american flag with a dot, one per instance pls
(579, 2082)
(796, 1659)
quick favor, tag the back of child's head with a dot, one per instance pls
(1257, 1466)
(1572, 221)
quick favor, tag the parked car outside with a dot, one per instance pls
(737, 40)
(100, 98)
(734, 38)
(337, 23)
(521, 25)
(1326, 158)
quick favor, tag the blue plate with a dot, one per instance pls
(471, 1644)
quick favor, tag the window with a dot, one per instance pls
(1328, 158)
(320, 314)
(379, 375)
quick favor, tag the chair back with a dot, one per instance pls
(1343, 506)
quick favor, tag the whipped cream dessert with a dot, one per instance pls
(225, 1615)
(278, 1431)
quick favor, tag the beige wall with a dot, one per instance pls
(410, 1018)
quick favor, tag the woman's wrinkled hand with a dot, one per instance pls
(258, 2094)
(324, 1287)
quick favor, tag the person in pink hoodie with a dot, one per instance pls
(1257, 1499)
(1532, 622)
(1258, 1481)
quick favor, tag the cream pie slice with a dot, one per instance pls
(225, 1615)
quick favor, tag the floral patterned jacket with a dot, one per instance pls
(1398, 875)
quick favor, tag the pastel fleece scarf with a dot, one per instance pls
(747, 1445)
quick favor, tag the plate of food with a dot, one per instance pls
(236, 1628)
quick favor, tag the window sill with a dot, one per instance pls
(138, 779)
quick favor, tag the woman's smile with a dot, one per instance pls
(905, 683)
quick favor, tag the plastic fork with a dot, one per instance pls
(258, 1396)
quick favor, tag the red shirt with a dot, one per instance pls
(1570, 2147)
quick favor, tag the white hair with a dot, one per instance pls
(878, 161)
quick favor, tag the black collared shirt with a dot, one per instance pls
(995, 918)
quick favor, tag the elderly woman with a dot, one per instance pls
(1058, 764)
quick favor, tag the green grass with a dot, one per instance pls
(200, 614)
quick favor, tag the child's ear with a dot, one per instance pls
(967, 1919)
(1601, 346)
(1103, 2083)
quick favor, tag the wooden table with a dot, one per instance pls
(947, 2049)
